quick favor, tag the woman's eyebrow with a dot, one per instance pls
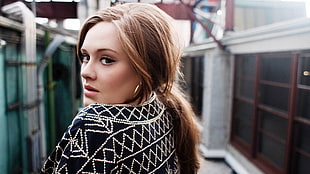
(105, 49)
(99, 50)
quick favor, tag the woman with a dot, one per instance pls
(135, 119)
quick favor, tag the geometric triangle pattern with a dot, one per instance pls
(117, 139)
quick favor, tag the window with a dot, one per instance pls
(271, 113)
(244, 99)
(193, 69)
(301, 151)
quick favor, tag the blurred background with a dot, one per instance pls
(246, 66)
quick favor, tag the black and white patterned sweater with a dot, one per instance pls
(118, 139)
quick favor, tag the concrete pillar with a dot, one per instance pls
(216, 103)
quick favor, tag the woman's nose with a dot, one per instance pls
(88, 70)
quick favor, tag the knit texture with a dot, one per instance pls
(117, 139)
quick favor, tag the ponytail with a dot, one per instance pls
(187, 133)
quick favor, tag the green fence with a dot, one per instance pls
(19, 117)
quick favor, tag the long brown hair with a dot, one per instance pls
(146, 34)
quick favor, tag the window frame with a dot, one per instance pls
(251, 150)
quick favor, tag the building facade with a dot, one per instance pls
(254, 108)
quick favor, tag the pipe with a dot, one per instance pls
(51, 48)
(20, 11)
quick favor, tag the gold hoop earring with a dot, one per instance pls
(136, 89)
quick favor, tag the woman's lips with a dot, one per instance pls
(90, 91)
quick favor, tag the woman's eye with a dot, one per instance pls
(107, 61)
(85, 58)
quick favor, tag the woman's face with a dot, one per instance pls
(107, 75)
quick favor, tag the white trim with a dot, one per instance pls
(199, 49)
(276, 30)
(283, 36)
(231, 161)
(235, 164)
(212, 153)
(277, 37)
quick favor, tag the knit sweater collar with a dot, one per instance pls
(148, 111)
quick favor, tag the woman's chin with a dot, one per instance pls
(87, 101)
